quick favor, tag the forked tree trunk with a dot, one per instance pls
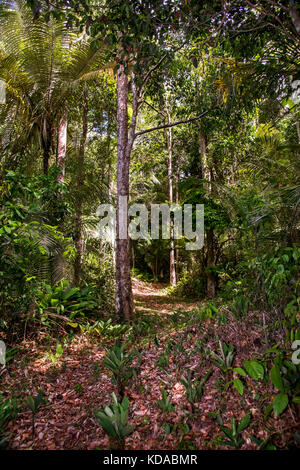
(124, 306)
(79, 191)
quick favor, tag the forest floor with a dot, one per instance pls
(75, 383)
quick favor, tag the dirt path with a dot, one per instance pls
(151, 298)
(76, 383)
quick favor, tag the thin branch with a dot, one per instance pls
(172, 124)
(152, 69)
(154, 109)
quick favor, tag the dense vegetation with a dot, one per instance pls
(140, 343)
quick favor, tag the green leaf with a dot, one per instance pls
(239, 386)
(38, 400)
(280, 403)
(276, 378)
(240, 371)
(254, 369)
(244, 423)
(30, 403)
(59, 350)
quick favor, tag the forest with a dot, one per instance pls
(149, 225)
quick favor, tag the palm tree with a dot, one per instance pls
(42, 64)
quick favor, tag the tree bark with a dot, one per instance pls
(211, 278)
(57, 262)
(170, 184)
(79, 195)
(210, 244)
(295, 17)
(124, 306)
(46, 135)
(61, 148)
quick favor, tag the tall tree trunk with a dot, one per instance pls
(170, 184)
(297, 126)
(211, 278)
(177, 202)
(79, 195)
(124, 306)
(210, 244)
(206, 174)
(46, 136)
(61, 148)
(110, 196)
(57, 262)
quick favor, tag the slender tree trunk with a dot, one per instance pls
(79, 195)
(297, 127)
(170, 184)
(46, 143)
(110, 197)
(206, 174)
(211, 278)
(124, 306)
(61, 149)
(177, 202)
(57, 262)
(210, 244)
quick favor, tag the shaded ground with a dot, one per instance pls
(150, 298)
(76, 383)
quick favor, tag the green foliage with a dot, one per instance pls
(225, 359)
(118, 361)
(285, 376)
(33, 403)
(163, 360)
(240, 306)
(190, 285)
(27, 238)
(104, 328)
(254, 369)
(209, 310)
(233, 434)
(276, 275)
(263, 445)
(194, 387)
(165, 403)
(65, 300)
(78, 388)
(58, 353)
(114, 421)
(8, 411)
